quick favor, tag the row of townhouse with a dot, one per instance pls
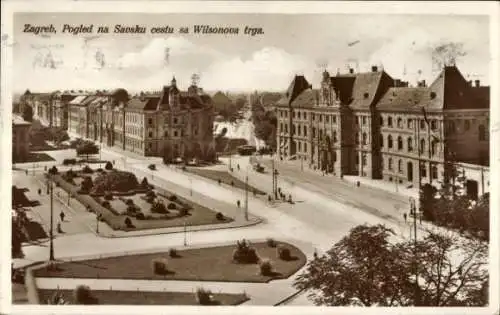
(171, 124)
(371, 125)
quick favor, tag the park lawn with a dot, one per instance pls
(225, 178)
(107, 297)
(202, 264)
(198, 214)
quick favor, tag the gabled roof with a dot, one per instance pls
(343, 85)
(452, 90)
(308, 98)
(405, 98)
(137, 103)
(449, 91)
(368, 87)
(298, 85)
(88, 100)
(77, 100)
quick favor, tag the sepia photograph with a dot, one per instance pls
(178, 157)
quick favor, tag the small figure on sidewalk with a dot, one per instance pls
(219, 181)
(62, 215)
(358, 183)
(405, 216)
(238, 203)
(238, 166)
(59, 229)
(39, 191)
(113, 162)
(26, 172)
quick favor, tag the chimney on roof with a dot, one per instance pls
(477, 83)
(374, 68)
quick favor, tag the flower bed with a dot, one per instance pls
(116, 211)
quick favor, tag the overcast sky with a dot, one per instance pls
(291, 44)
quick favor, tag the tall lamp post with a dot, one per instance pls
(246, 195)
(413, 213)
(51, 231)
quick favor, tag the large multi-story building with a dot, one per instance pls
(171, 124)
(51, 109)
(370, 124)
(20, 139)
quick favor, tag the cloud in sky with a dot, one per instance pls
(267, 63)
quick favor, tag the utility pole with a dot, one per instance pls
(190, 186)
(246, 197)
(51, 254)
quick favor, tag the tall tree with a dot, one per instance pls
(87, 148)
(28, 113)
(363, 269)
(366, 269)
(450, 268)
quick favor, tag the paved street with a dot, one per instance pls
(322, 214)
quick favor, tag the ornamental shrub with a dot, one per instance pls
(265, 267)
(203, 296)
(244, 253)
(283, 253)
(159, 266)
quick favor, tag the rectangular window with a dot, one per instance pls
(364, 120)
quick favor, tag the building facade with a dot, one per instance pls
(172, 124)
(372, 125)
(20, 139)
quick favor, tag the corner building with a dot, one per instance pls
(372, 125)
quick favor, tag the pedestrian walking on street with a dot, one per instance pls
(62, 215)
(238, 166)
(238, 203)
(39, 191)
(405, 216)
(59, 229)
(26, 172)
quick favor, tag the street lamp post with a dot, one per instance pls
(185, 232)
(246, 196)
(51, 232)
(413, 212)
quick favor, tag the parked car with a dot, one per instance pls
(258, 168)
(152, 167)
(192, 162)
